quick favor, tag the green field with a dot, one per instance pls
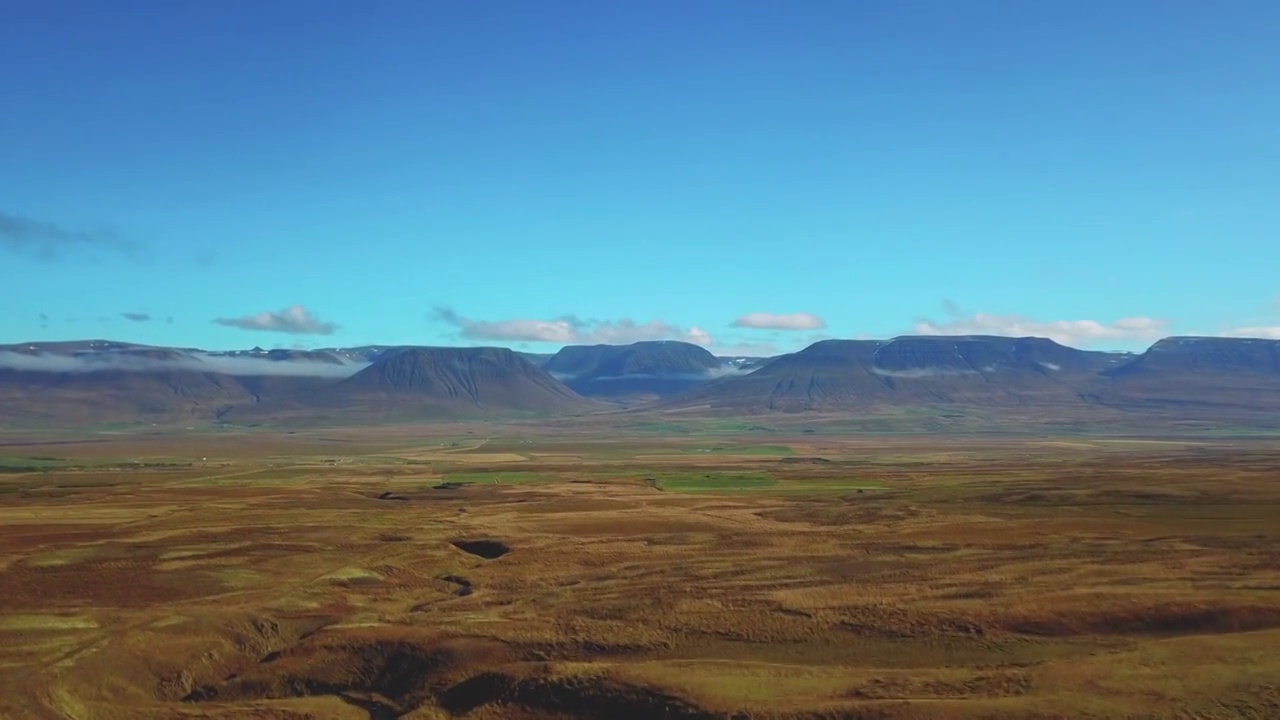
(714, 482)
(29, 464)
(770, 450)
(497, 478)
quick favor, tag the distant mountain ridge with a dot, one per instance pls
(425, 383)
(841, 374)
(100, 381)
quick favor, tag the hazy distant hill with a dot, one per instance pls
(29, 397)
(538, 359)
(636, 372)
(95, 382)
(282, 355)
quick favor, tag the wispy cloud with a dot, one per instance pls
(194, 362)
(772, 321)
(733, 349)
(1268, 332)
(1076, 333)
(920, 372)
(51, 242)
(569, 330)
(136, 316)
(295, 320)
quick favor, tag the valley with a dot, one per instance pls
(639, 361)
(557, 570)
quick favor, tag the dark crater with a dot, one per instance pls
(487, 549)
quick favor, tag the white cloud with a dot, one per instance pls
(1067, 332)
(1271, 332)
(771, 321)
(570, 330)
(698, 336)
(294, 319)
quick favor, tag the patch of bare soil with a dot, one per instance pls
(389, 676)
(570, 697)
(379, 670)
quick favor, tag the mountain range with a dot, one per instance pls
(98, 382)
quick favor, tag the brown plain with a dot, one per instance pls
(468, 572)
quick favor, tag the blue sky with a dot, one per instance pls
(291, 173)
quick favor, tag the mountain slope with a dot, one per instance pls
(489, 377)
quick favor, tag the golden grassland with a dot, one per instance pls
(491, 572)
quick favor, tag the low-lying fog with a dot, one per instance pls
(187, 362)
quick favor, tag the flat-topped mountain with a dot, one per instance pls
(981, 354)
(1206, 356)
(654, 357)
(1193, 374)
(639, 371)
